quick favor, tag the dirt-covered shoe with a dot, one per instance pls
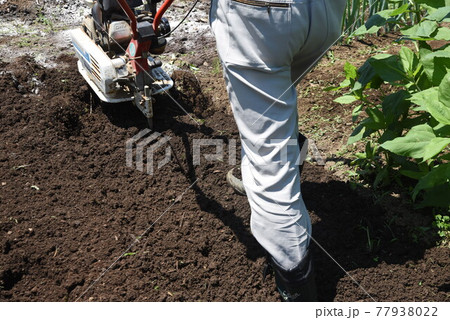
(297, 284)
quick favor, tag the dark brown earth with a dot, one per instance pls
(70, 207)
(24, 9)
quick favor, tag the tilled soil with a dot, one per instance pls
(77, 224)
(71, 207)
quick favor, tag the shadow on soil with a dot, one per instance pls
(167, 113)
(356, 232)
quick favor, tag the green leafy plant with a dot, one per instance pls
(442, 223)
(43, 19)
(358, 11)
(404, 102)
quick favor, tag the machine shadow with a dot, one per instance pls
(170, 117)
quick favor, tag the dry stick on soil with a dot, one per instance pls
(133, 243)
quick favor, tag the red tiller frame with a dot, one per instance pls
(159, 14)
(136, 47)
(130, 15)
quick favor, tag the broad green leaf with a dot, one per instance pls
(346, 99)
(443, 34)
(436, 65)
(357, 87)
(423, 81)
(375, 83)
(342, 85)
(439, 14)
(388, 67)
(411, 122)
(424, 49)
(378, 118)
(430, 99)
(437, 176)
(422, 30)
(374, 23)
(350, 71)
(412, 174)
(437, 196)
(400, 10)
(435, 146)
(345, 83)
(444, 91)
(366, 74)
(409, 60)
(423, 98)
(413, 144)
(396, 104)
(357, 134)
(356, 111)
(433, 3)
(361, 131)
(363, 29)
(389, 135)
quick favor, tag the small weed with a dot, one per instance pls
(129, 254)
(24, 42)
(372, 243)
(216, 67)
(42, 19)
(331, 57)
(419, 233)
(194, 68)
(221, 132)
(21, 30)
(200, 121)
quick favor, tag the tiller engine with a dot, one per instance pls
(114, 47)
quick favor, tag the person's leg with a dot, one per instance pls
(326, 22)
(268, 127)
(257, 46)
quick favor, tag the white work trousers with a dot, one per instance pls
(265, 47)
